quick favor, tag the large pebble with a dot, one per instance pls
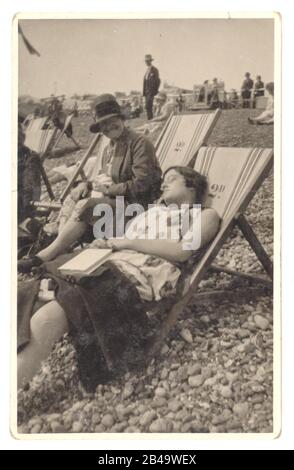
(160, 392)
(226, 391)
(195, 380)
(96, 418)
(158, 402)
(241, 409)
(222, 418)
(186, 335)
(164, 349)
(182, 373)
(120, 411)
(174, 405)
(36, 429)
(78, 405)
(210, 381)
(53, 417)
(206, 373)
(147, 418)
(57, 427)
(164, 373)
(261, 322)
(161, 425)
(257, 398)
(243, 333)
(205, 318)
(107, 421)
(194, 369)
(77, 426)
(99, 428)
(128, 391)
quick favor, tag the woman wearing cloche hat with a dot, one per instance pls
(129, 169)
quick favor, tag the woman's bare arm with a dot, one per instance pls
(167, 249)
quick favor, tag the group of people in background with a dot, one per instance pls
(250, 90)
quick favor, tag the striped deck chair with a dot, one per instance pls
(182, 137)
(234, 175)
(36, 124)
(38, 139)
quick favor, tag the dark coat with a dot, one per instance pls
(28, 181)
(151, 84)
(135, 169)
(247, 84)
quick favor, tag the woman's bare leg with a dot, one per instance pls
(71, 232)
(48, 324)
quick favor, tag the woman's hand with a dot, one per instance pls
(99, 187)
(99, 243)
(101, 182)
(118, 244)
(115, 244)
(80, 191)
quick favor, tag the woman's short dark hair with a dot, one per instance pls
(193, 179)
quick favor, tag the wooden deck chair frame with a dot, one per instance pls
(174, 308)
(45, 146)
(63, 131)
(56, 205)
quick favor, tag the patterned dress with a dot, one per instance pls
(155, 277)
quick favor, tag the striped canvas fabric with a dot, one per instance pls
(183, 137)
(231, 173)
(36, 124)
(39, 140)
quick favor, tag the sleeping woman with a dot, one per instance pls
(104, 315)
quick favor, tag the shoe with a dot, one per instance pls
(250, 120)
(26, 265)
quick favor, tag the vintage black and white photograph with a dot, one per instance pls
(145, 215)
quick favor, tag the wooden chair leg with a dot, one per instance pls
(262, 279)
(46, 182)
(80, 167)
(255, 244)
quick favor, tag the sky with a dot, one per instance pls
(107, 55)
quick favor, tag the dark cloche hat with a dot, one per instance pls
(105, 107)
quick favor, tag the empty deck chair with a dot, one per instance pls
(234, 175)
(38, 138)
(42, 136)
(182, 137)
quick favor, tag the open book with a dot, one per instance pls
(85, 262)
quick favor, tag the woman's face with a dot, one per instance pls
(174, 188)
(112, 127)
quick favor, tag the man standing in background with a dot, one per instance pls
(150, 85)
(246, 89)
(258, 87)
